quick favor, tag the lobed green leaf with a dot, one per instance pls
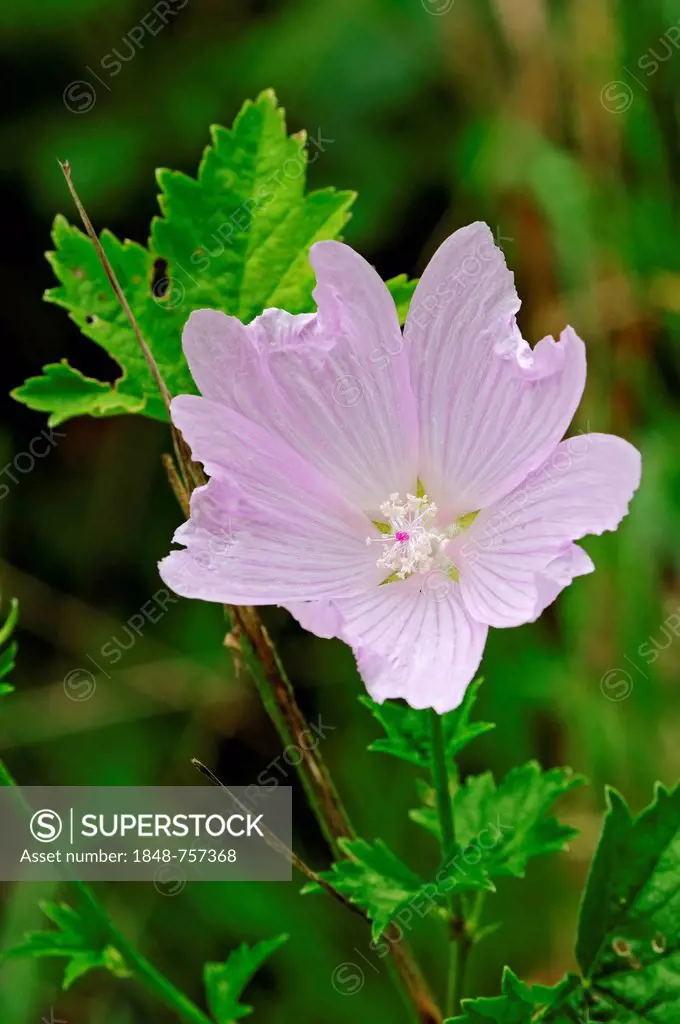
(376, 880)
(236, 239)
(408, 732)
(78, 937)
(226, 982)
(628, 944)
(520, 1004)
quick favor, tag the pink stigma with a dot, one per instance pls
(401, 536)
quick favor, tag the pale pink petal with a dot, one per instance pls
(491, 408)
(414, 639)
(334, 385)
(268, 528)
(584, 487)
(559, 573)
(319, 617)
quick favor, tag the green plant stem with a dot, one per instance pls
(440, 777)
(138, 965)
(459, 948)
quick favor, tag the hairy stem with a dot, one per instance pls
(138, 965)
(459, 948)
(279, 700)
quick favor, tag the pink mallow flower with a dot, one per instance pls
(403, 493)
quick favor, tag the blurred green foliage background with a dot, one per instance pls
(555, 120)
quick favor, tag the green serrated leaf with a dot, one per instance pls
(401, 290)
(373, 878)
(514, 816)
(65, 393)
(239, 235)
(628, 943)
(520, 1004)
(226, 982)
(457, 873)
(504, 826)
(87, 295)
(78, 938)
(107, 959)
(409, 731)
(235, 239)
(376, 880)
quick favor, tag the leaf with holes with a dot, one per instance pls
(236, 238)
(628, 945)
(86, 294)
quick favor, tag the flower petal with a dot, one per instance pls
(414, 639)
(322, 618)
(268, 528)
(559, 573)
(491, 408)
(334, 385)
(507, 556)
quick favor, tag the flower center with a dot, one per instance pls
(411, 542)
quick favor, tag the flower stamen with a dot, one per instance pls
(411, 541)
